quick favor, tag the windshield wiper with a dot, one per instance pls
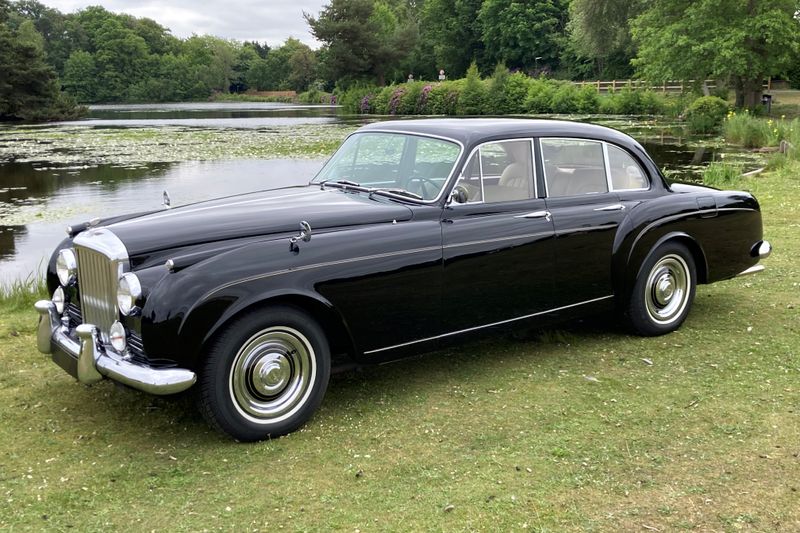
(345, 185)
(396, 192)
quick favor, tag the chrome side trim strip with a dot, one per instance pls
(500, 323)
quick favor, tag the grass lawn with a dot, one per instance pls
(581, 428)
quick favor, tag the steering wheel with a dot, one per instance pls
(426, 187)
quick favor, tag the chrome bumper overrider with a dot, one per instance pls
(95, 361)
(762, 250)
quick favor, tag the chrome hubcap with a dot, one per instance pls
(272, 374)
(667, 289)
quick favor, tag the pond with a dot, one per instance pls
(122, 157)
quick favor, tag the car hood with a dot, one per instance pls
(255, 214)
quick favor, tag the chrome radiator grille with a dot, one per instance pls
(97, 283)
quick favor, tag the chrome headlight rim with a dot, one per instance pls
(66, 267)
(129, 290)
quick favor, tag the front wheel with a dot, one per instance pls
(265, 375)
(664, 291)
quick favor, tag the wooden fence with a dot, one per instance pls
(666, 87)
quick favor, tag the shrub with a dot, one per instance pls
(507, 92)
(565, 99)
(352, 98)
(588, 100)
(380, 103)
(706, 114)
(443, 98)
(472, 99)
(540, 96)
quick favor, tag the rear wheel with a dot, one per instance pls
(664, 290)
(265, 375)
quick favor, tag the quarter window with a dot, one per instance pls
(573, 167)
(626, 173)
(499, 172)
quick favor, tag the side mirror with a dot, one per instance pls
(459, 195)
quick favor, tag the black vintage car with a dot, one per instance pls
(415, 233)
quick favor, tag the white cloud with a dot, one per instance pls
(272, 21)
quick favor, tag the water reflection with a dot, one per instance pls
(47, 194)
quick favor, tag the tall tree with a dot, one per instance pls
(29, 88)
(600, 31)
(450, 35)
(523, 34)
(741, 41)
(364, 38)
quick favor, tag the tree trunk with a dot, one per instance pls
(748, 93)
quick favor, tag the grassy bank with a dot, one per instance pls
(583, 428)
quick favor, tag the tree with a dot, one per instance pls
(79, 76)
(450, 32)
(29, 88)
(600, 31)
(740, 41)
(363, 38)
(523, 34)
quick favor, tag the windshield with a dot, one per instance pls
(396, 162)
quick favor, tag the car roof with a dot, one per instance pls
(471, 131)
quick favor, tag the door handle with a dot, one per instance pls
(536, 214)
(614, 207)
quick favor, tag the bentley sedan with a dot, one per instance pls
(414, 234)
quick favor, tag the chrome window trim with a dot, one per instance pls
(453, 171)
(641, 169)
(606, 166)
(492, 324)
(477, 147)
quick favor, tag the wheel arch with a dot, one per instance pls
(645, 248)
(332, 323)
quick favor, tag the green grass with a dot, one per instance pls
(570, 429)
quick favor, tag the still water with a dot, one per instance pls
(44, 188)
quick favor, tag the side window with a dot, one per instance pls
(573, 167)
(500, 172)
(625, 171)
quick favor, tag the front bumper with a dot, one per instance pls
(89, 361)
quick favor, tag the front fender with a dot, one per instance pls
(186, 308)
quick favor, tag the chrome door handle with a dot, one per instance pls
(614, 207)
(536, 214)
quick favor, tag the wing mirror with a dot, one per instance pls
(459, 195)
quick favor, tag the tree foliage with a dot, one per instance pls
(523, 34)
(363, 38)
(29, 87)
(740, 41)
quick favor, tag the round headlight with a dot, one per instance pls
(66, 267)
(59, 300)
(128, 292)
(117, 336)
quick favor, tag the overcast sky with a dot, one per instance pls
(272, 21)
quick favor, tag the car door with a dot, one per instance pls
(498, 242)
(586, 213)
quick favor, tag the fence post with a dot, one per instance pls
(613, 85)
